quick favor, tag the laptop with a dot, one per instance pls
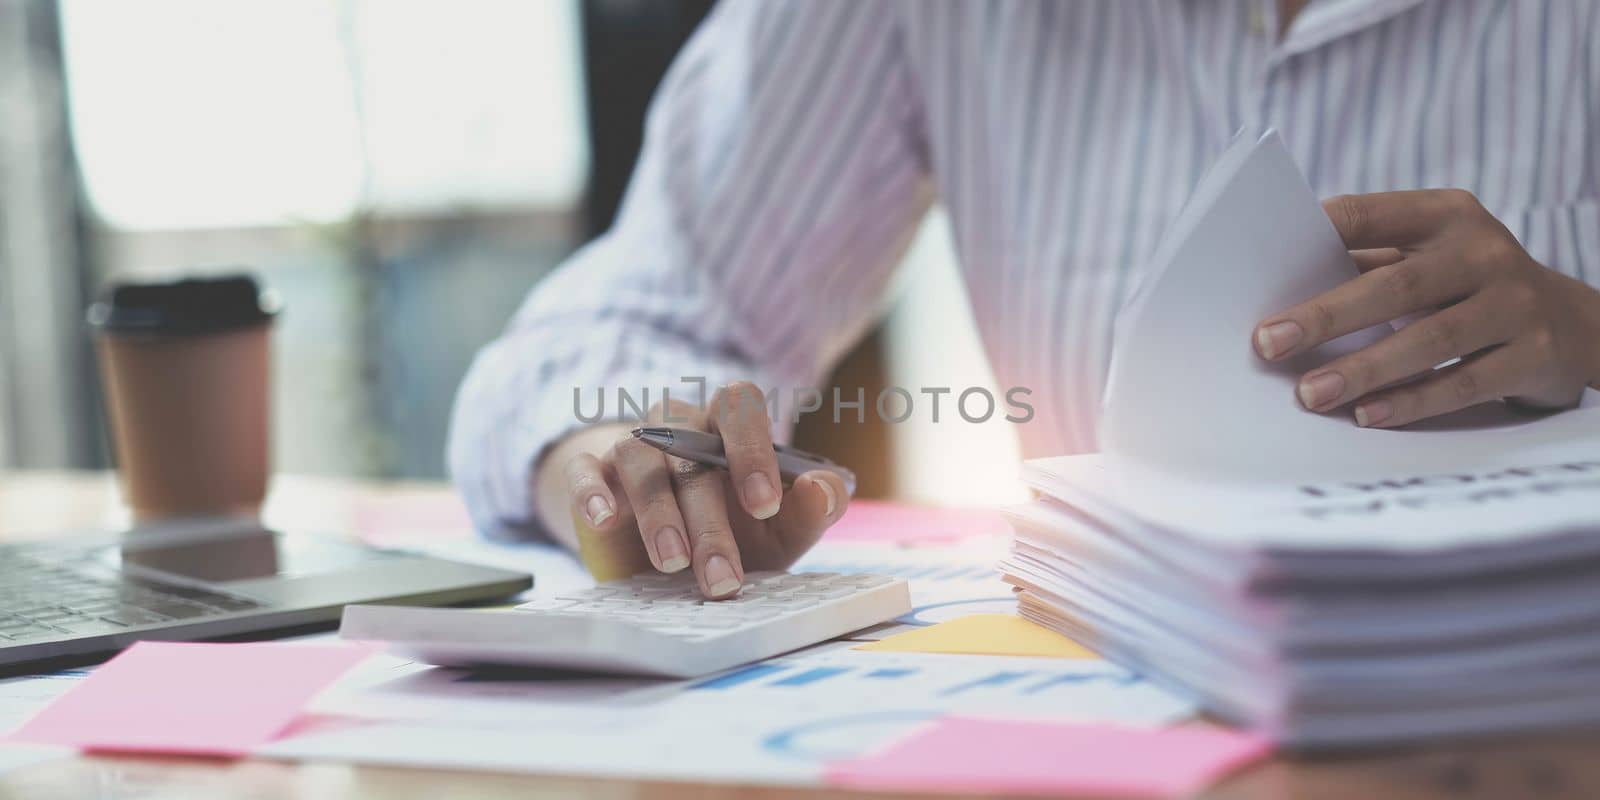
(74, 597)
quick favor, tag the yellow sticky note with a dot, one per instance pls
(983, 634)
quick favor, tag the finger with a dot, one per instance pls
(1421, 282)
(609, 549)
(1479, 379)
(816, 501)
(739, 415)
(1454, 332)
(643, 473)
(1369, 260)
(713, 551)
(592, 498)
(1394, 219)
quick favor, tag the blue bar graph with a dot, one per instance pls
(754, 672)
(810, 676)
(1070, 678)
(891, 672)
(997, 679)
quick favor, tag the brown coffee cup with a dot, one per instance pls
(186, 367)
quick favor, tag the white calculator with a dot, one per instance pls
(645, 625)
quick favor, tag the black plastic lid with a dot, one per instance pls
(184, 308)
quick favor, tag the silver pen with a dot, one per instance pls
(706, 448)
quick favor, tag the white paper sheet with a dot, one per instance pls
(1188, 394)
(20, 699)
(777, 722)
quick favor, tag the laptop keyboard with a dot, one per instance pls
(47, 599)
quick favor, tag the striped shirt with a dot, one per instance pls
(794, 147)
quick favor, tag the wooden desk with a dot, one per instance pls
(36, 503)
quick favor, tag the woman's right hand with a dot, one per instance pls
(636, 508)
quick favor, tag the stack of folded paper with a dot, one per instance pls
(1327, 584)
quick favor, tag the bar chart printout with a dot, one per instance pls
(1025, 687)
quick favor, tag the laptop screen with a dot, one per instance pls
(221, 555)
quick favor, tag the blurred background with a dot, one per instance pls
(401, 172)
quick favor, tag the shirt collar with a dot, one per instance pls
(1322, 21)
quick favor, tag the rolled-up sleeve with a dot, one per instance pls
(782, 176)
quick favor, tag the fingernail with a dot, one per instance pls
(720, 577)
(1373, 412)
(1320, 390)
(759, 496)
(827, 491)
(669, 548)
(1278, 338)
(598, 509)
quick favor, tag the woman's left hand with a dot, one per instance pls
(1523, 332)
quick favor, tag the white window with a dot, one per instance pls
(225, 113)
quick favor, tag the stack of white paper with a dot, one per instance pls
(1327, 584)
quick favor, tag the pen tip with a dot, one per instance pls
(659, 438)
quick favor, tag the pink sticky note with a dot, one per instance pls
(190, 698)
(964, 754)
(877, 521)
(395, 516)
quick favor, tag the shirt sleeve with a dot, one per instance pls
(782, 176)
